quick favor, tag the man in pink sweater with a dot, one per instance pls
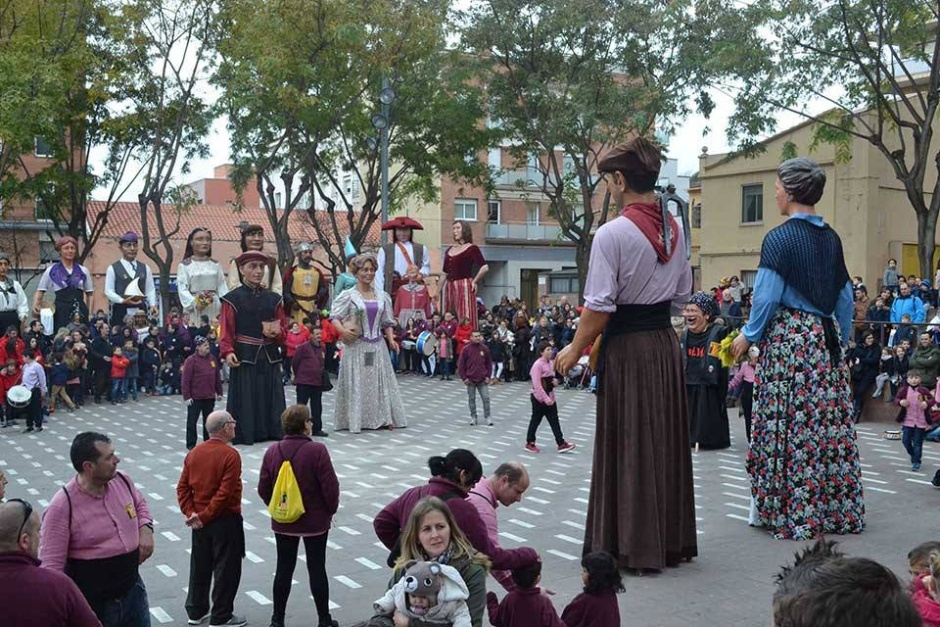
(543, 400)
(504, 487)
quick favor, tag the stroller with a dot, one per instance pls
(580, 374)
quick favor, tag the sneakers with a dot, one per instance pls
(566, 447)
(935, 482)
(198, 621)
(531, 447)
(473, 422)
(321, 434)
(489, 422)
(234, 621)
(915, 466)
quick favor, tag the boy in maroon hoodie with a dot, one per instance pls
(474, 368)
(525, 606)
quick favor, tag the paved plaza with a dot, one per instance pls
(730, 584)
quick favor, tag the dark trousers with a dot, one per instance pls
(102, 381)
(426, 363)
(34, 410)
(913, 440)
(313, 395)
(287, 368)
(747, 404)
(202, 406)
(217, 554)
(540, 411)
(287, 547)
(330, 362)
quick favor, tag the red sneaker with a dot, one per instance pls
(531, 447)
(566, 447)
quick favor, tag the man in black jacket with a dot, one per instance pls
(100, 352)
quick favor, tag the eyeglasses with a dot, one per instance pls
(28, 511)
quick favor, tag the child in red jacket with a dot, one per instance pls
(597, 605)
(119, 364)
(462, 336)
(9, 376)
(525, 606)
(296, 336)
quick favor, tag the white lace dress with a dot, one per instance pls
(367, 395)
(194, 277)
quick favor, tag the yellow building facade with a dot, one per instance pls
(863, 201)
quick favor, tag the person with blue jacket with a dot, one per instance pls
(907, 303)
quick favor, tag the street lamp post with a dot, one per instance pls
(381, 122)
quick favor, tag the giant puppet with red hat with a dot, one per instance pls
(395, 258)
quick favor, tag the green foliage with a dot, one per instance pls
(789, 151)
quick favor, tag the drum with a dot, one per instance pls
(427, 343)
(892, 434)
(19, 396)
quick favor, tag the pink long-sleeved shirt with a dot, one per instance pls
(101, 527)
(542, 369)
(484, 500)
(745, 373)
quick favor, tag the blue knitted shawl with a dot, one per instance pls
(809, 258)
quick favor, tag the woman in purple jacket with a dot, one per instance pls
(319, 488)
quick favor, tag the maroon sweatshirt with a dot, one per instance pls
(522, 608)
(592, 610)
(390, 523)
(308, 364)
(475, 363)
(43, 596)
(202, 379)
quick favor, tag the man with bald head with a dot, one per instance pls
(209, 492)
(504, 487)
(43, 596)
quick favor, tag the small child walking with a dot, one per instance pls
(119, 365)
(474, 368)
(597, 605)
(133, 369)
(544, 404)
(745, 380)
(525, 606)
(914, 399)
(58, 378)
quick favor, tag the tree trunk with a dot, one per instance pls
(582, 256)
(926, 243)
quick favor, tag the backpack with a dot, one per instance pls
(287, 504)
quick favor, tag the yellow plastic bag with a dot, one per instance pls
(287, 504)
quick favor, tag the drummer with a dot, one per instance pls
(71, 282)
(14, 307)
(34, 380)
(119, 277)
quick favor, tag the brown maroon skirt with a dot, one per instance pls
(642, 508)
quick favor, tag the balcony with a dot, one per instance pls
(523, 231)
(531, 179)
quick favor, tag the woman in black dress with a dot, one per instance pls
(706, 380)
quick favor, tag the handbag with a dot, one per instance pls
(327, 385)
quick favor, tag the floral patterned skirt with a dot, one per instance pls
(803, 460)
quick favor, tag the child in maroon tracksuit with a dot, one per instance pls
(915, 399)
(525, 606)
(597, 605)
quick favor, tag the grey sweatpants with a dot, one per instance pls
(472, 389)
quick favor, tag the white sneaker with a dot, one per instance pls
(199, 621)
(234, 621)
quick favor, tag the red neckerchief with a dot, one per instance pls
(648, 217)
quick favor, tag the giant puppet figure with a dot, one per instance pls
(305, 288)
(71, 283)
(128, 283)
(254, 328)
(253, 239)
(641, 507)
(395, 258)
(346, 280)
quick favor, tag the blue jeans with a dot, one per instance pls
(130, 387)
(933, 435)
(394, 357)
(131, 611)
(913, 440)
(118, 390)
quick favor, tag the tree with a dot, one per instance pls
(83, 117)
(875, 63)
(168, 45)
(569, 79)
(300, 83)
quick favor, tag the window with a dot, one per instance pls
(752, 204)
(563, 285)
(43, 148)
(47, 251)
(495, 158)
(493, 213)
(696, 217)
(532, 214)
(43, 212)
(465, 210)
(748, 278)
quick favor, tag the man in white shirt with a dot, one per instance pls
(121, 274)
(14, 308)
(394, 258)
